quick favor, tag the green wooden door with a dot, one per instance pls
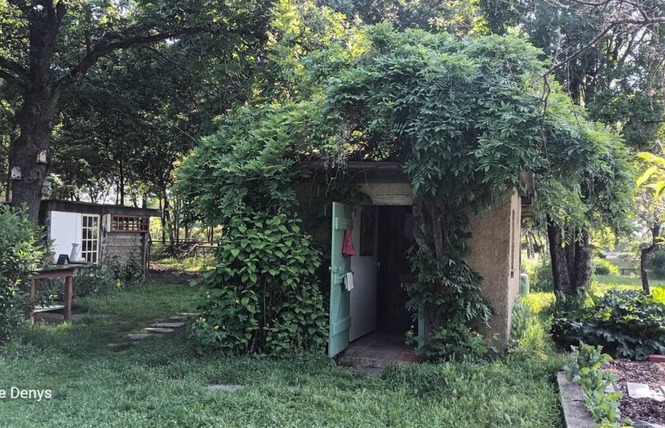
(340, 299)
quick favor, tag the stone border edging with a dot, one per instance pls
(575, 414)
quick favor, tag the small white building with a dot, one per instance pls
(97, 231)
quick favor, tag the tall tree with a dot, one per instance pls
(608, 56)
(48, 45)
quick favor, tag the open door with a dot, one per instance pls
(340, 298)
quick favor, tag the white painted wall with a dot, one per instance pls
(65, 229)
(363, 295)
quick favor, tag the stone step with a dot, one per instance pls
(141, 336)
(159, 330)
(168, 324)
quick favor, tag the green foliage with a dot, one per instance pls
(521, 320)
(263, 297)
(464, 118)
(657, 264)
(587, 362)
(20, 253)
(97, 280)
(539, 270)
(626, 323)
(455, 342)
(606, 267)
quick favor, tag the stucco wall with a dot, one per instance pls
(494, 254)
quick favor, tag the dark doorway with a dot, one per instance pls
(394, 273)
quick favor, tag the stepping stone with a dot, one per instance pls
(224, 388)
(188, 314)
(641, 390)
(638, 390)
(159, 330)
(168, 325)
(140, 336)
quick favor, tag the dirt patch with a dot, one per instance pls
(168, 275)
(652, 374)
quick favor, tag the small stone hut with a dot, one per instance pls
(381, 229)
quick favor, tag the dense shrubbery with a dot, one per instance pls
(540, 273)
(263, 296)
(99, 279)
(20, 252)
(604, 267)
(626, 323)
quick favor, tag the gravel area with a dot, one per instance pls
(652, 374)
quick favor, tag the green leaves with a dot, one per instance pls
(20, 253)
(263, 296)
(587, 362)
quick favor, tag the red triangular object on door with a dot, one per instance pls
(347, 245)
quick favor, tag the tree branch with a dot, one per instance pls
(13, 66)
(116, 41)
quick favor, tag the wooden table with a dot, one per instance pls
(61, 271)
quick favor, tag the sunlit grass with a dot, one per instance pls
(160, 382)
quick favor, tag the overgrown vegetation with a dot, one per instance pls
(412, 98)
(263, 296)
(587, 362)
(626, 323)
(21, 251)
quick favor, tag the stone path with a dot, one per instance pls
(157, 329)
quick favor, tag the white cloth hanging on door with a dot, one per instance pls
(348, 281)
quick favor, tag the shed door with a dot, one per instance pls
(340, 302)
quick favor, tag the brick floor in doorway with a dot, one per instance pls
(378, 350)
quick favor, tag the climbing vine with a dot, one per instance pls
(464, 117)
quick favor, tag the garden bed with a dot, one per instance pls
(652, 374)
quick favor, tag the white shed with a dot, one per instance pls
(97, 231)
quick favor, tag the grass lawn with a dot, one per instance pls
(160, 382)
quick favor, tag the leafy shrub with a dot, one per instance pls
(658, 294)
(453, 305)
(522, 318)
(540, 275)
(127, 273)
(626, 323)
(99, 279)
(604, 267)
(455, 342)
(20, 252)
(587, 362)
(263, 297)
(657, 264)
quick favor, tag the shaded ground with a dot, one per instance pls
(653, 374)
(168, 274)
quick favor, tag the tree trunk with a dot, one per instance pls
(35, 119)
(558, 257)
(121, 184)
(644, 257)
(582, 261)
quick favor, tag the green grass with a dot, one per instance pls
(160, 383)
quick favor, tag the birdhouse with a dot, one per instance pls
(41, 157)
(15, 173)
